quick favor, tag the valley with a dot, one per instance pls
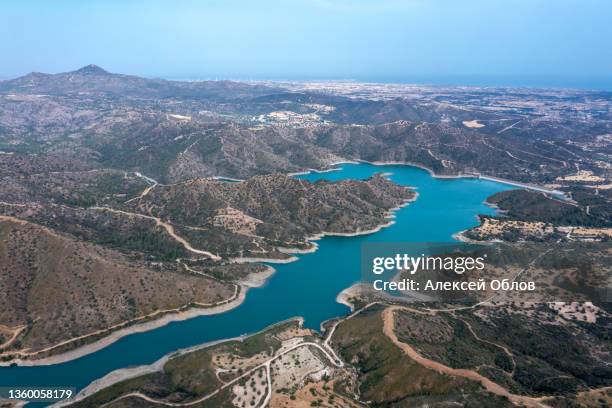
(141, 216)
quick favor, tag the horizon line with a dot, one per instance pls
(596, 83)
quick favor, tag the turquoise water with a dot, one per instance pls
(306, 288)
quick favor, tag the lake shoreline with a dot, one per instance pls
(115, 336)
(123, 374)
(155, 324)
(389, 215)
(478, 176)
(251, 281)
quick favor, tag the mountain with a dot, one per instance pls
(91, 69)
(56, 288)
(270, 210)
(88, 253)
(116, 210)
(173, 131)
(92, 80)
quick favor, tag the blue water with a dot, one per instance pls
(306, 288)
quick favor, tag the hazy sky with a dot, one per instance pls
(311, 38)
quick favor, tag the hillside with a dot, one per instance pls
(534, 216)
(85, 254)
(111, 177)
(172, 131)
(59, 292)
(253, 216)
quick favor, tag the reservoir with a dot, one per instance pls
(307, 287)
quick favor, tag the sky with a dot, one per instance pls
(568, 42)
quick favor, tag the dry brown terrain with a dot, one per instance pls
(389, 330)
(85, 254)
(57, 288)
(282, 366)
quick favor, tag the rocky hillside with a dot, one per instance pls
(88, 253)
(58, 292)
(272, 209)
(534, 216)
(173, 131)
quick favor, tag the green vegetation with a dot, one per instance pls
(388, 377)
(149, 241)
(528, 205)
(191, 375)
(546, 358)
(448, 340)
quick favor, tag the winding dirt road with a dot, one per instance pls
(169, 229)
(388, 330)
(323, 348)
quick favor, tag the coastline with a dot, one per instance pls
(460, 236)
(529, 186)
(123, 374)
(247, 259)
(481, 176)
(313, 248)
(249, 282)
(307, 171)
(256, 280)
(195, 312)
(332, 167)
(344, 296)
(389, 215)
(126, 331)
